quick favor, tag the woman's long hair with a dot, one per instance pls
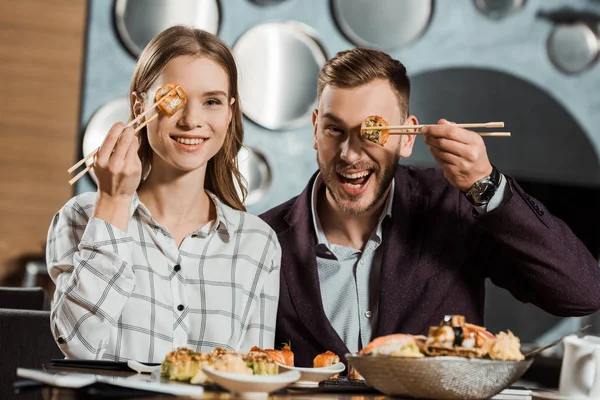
(222, 171)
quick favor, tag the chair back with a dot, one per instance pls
(26, 341)
(20, 298)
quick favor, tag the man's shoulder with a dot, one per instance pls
(276, 216)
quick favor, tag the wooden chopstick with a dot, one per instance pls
(404, 127)
(492, 134)
(82, 173)
(133, 122)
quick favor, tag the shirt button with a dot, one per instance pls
(362, 262)
(368, 314)
(177, 268)
(180, 307)
(61, 340)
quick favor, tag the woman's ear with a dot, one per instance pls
(137, 103)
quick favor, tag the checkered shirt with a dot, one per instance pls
(136, 295)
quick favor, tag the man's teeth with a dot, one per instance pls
(355, 175)
(189, 141)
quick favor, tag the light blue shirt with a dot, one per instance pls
(349, 278)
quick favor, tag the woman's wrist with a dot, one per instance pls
(114, 209)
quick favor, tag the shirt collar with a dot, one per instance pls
(318, 183)
(224, 213)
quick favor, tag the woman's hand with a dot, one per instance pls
(118, 170)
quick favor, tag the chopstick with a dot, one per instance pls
(82, 173)
(133, 122)
(404, 127)
(489, 134)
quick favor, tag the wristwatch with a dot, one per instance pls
(483, 190)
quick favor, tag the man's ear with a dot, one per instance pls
(407, 141)
(315, 114)
(137, 103)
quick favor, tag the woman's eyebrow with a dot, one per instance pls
(215, 93)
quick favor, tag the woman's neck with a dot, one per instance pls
(175, 198)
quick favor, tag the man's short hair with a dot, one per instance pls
(359, 66)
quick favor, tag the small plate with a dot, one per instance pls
(310, 377)
(251, 386)
(142, 368)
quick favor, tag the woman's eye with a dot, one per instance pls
(212, 102)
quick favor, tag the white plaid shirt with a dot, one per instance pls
(136, 295)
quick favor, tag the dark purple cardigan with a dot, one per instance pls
(437, 253)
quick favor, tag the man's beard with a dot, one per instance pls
(349, 205)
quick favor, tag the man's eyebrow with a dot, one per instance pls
(215, 93)
(333, 117)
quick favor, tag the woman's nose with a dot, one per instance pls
(191, 116)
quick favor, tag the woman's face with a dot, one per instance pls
(194, 134)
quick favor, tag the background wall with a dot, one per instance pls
(41, 53)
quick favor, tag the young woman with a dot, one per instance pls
(163, 255)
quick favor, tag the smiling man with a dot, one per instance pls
(372, 248)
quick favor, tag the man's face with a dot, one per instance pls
(356, 172)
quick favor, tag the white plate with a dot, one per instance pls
(251, 386)
(310, 377)
(141, 368)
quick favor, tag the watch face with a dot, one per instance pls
(482, 192)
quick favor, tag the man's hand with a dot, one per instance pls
(461, 153)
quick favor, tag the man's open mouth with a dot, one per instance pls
(356, 179)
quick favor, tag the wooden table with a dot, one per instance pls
(65, 394)
(296, 394)
(291, 394)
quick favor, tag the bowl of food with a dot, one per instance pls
(455, 361)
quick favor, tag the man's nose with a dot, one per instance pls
(351, 148)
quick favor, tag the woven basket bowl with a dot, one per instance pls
(438, 377)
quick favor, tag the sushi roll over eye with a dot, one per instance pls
(379, 136)
(174, 100)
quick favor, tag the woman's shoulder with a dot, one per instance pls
(243, 221)
(247, 220)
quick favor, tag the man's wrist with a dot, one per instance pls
(481, 192)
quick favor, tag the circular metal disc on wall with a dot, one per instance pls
(138, 21)
(278, 65)
(385, 24)
(572, 47)
(257, 173)
(499, 8)
(99, 125)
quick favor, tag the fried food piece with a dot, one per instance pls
(182, 364)
(506, 347)
(379, 136)
(285, 356)
(261, 363)
(398, 344)
(173, 102)
(325, 359)
(353, 374)
(455, 337)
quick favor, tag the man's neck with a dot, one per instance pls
(344, 229)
